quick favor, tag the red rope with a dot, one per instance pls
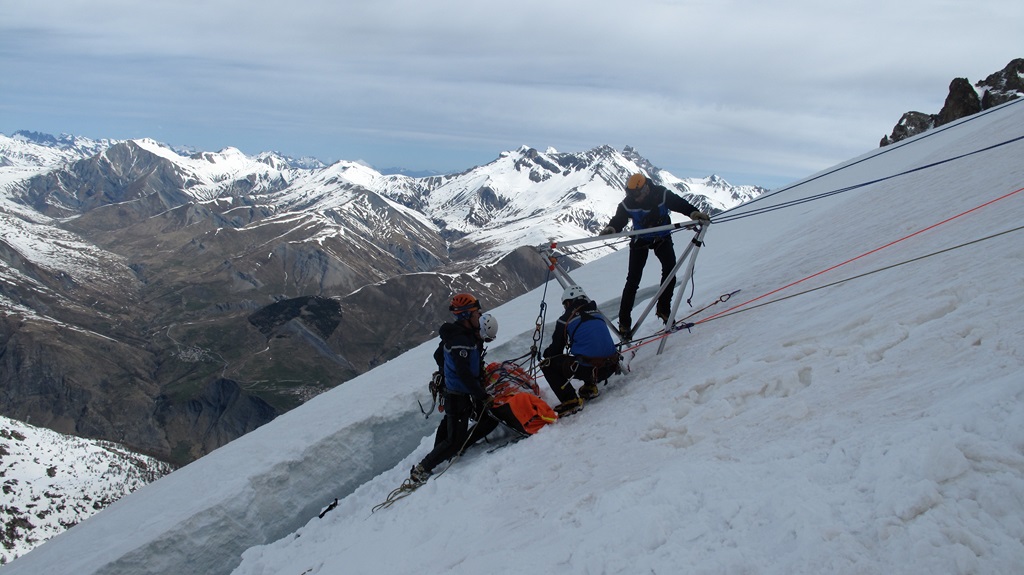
(865, 254)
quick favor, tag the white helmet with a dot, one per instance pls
(573, 292)
(488, 327)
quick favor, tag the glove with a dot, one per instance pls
(606, 230)
(699, 216)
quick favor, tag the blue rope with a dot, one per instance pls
(885, 150)
(759, 211)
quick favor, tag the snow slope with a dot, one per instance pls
(861, 413)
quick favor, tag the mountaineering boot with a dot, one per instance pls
(663, 316)
(419, 475)
(569, 407)
(589, 391)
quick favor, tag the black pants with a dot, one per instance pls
(487, 423)
(559, 370)
(638, 252)
(458, 408)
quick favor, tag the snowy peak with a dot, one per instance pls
(144, 168)
(282, 162)
(519, 184)
(32, 149)
(66, 142)
(526, 196)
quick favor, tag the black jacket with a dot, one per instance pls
(651, 212)
(460, 358)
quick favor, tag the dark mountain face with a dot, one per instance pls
(964, 100)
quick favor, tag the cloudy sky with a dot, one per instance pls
(757, 92)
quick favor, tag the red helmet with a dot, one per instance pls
(463, 305)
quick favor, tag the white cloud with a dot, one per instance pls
(333, 79)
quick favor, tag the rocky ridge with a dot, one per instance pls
(964, 100)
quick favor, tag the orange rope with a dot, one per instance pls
(865, 254)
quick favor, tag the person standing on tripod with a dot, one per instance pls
(647, 205)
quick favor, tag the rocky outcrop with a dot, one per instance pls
(1003, 86)
(964, 100)
(961, 102)
(81, 477)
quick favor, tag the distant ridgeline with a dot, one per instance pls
(964, 100)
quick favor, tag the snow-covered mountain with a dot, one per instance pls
(526, 196)
(33, 149)
(854, 408)
(51, 482)
(519, 199)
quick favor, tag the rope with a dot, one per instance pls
(611, 243)
(758, 211)
(538, 329)
(728, 313)
(865, 254)
(677, 325)
(884, 150)
(408, 485)
(608, 244)
(681, 324)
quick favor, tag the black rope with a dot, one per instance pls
(538, 329)
(835, 283)
(884, 150)
(759, 211)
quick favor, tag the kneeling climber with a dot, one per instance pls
(592, 355)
